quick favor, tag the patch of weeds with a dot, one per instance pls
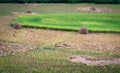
(114, 55)
(74, 51)
(47, 48)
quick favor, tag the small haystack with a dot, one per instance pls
(17, 26)
(83, 30)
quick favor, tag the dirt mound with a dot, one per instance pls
(12, 48)
(96, 9)
(88, 61)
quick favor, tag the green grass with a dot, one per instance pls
(50, 60)
(85, 52)
(94, 22)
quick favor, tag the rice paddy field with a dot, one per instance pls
(43, 48)
(94, 22)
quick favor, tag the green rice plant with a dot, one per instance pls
(94, 22)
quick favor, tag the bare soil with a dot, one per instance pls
(12, 48)
(37, 37)
(96, 9)
(23, 13)
(6, 20)
(103, 42)
(88, 60)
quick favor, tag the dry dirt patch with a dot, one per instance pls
(23, 13)
(32, 4)
(96, 9)
(89, 60)
(12, 48)
(37, 37)
(6, 20)
(103, 42)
